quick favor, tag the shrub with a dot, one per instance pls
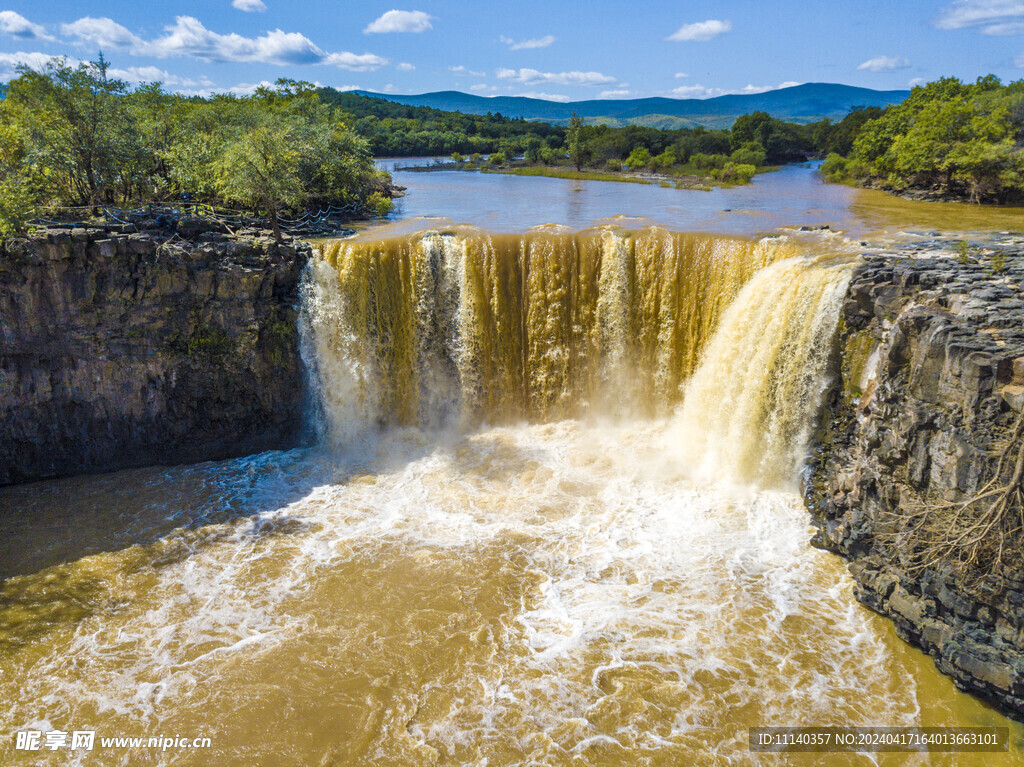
(640, 157)
(750, 153)
(835, 168)
(664, 160)
(614, 164)
(737, 174)
(963, 252)
(378, 205)
(550, 156)
(708, 161)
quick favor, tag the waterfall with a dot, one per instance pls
(748, 409)
(449, 329)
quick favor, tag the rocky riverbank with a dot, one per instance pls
(122, 348)
(925, 417)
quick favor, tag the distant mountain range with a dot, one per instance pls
(805, 103)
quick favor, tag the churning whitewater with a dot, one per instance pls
(553, 521)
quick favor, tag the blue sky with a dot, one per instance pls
(544, 48)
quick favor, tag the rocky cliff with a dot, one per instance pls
(913, 479)
(121, 348)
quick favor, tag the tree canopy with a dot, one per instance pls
(73, 136)
(960, 139)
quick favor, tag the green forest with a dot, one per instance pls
(396, 130)
(955, 140)
(74, 137)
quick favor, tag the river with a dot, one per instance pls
(552, 516)
(793, 196)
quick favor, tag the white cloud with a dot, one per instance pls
(365, 62)
(916, 81)
(617, 94)
(461, 70)
(533, 77)
(483, 88)
(15, 25)
(188, 37)
(150, 74)
(884, 64)
(33, 59)
(400, 21)
(696, 92)
(104, 33)
(544, 96)
(991, 17)
(155, 74)
(701, 30)
(681, 75)
(344, 88)
(247, 89)
(250, 6)
(1010, 28)
(700, 92)
(404, 67)
(539, 42)
(766, 88)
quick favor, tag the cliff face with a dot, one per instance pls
(924, 418)
(126, 349)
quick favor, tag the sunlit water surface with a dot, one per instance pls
(793, 196)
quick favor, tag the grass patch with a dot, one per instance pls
(585, 175)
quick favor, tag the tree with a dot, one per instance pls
(638, 158)
(665, 160)
(575, 141)
(749, 153)
(79, 127)
(17, 185)
(261, 169)
(754, 127)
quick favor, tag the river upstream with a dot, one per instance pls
(552, 517)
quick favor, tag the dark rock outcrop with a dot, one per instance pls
(125, 348)
(931, 351)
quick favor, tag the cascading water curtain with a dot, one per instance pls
(439, 330)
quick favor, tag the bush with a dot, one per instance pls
(835, 168)
(708, 161)
(550, 156)
(736, 174)
(16, 207)
(963, 252)
(638, 158)
(750, 153)
(614, 164)
(665, 160)
(498, 159)
(378, 205)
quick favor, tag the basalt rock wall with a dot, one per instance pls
(930, 385)
(123, 348)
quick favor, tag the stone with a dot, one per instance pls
(117, 359)
(950, 383)
(1018, 371)
(1013, 395)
